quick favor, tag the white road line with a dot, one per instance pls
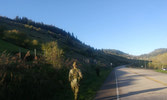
(117, 91)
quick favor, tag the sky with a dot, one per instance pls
(132, 26)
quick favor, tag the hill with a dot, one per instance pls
(9, 47)
(115, 52)
(118, 53)
(28, 34)
(154, 53)
(154, 60)
(45, 77)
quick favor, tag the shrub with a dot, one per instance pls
(22, 80)
(53, 54)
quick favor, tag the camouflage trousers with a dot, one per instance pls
(75, 87)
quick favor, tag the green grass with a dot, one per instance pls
(11, 48)
(157, 70)
(91, 84)
(162, 71)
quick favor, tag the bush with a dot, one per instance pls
(2, 29)
(53, 54)
(22, 80)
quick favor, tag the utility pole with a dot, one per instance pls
(145, 63)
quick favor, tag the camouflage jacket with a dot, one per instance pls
(75, 74)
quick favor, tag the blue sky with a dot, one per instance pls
(132, 26)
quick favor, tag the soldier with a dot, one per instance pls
(75, 76)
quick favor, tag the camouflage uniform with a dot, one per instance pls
(74, 77)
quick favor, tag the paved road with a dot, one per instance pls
(133, 84)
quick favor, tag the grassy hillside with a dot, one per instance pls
(45, 77)
(117, 53)
(154, 60)
(9, 47)
(158, 61)
(155, 53)
(31, 35)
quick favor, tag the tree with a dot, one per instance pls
(53, 54)
(2, 29)
(34, 42)
(17, 18)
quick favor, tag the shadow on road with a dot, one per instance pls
(108, 90)
(142, 91)
(129, 94)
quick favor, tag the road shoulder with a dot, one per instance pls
(107, 90)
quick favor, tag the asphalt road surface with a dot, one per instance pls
(133, 84)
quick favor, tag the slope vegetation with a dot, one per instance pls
(45, 77)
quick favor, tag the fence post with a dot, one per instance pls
(19, 53)
(35, 54)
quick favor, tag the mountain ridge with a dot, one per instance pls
(155, 52)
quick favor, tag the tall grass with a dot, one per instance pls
(23, 80)
(91, 84)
